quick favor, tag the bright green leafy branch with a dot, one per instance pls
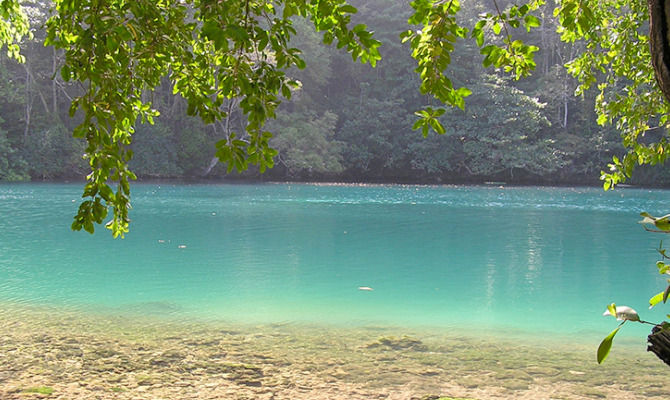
(214, 52)
(433, 45)
(617, 59)
(210, 51)
(13, 27)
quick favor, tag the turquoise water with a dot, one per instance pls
(484, 258)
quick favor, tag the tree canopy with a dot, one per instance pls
(233, 62)
(211, 51)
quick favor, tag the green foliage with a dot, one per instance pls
(606, 345)
(13, 27)
(210, 51)
(662, 224)
(155, 151)
(433, 45)
(378, 154)
(515, 56)
(614, 58)
(305, 144)
(623, 314)
(12, 166)
(663, 267)
(501, 131)
(435, 155)
(53, 152)
(428, 119)
(373, 109)
(192, 143)
(231, 65)
(617, 59)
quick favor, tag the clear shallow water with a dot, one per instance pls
(517, 260)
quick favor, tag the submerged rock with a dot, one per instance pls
(167, 358)
(394, 343)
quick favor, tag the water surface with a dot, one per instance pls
(507, 260)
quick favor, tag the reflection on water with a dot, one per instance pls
(485, 257)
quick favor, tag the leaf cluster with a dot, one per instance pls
(433, 45)
(13, 27)
(211, 52)
(617, 60)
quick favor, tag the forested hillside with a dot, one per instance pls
(346, 122)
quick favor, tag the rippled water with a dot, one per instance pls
(501, 259)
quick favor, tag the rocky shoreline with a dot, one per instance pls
(62, 355)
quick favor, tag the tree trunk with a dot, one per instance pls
(565, 103)
(546, 48)
(659, 343)
(659, 16)
(29, 101)
(54, 87)
(212, 164)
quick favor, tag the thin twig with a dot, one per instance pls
(509, 37)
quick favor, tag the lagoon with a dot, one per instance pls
(471, 264)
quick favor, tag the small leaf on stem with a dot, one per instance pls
(606, 345)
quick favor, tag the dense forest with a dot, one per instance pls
(346, 122)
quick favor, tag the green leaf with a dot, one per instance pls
(606, 345)
(479, 37)
(464, 92)
(65, 72)
(437, 126)
(480, 24)
(212, 31)
(347, 8)
(497, 28)
(663, 223)
(299, 62)
(612, 309)
(656, 299)
(112, 43)
(531, 21)
(359, 28)
(88, 226)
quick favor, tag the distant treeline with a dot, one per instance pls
(347, 122)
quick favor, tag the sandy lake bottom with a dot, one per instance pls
(59, 354)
